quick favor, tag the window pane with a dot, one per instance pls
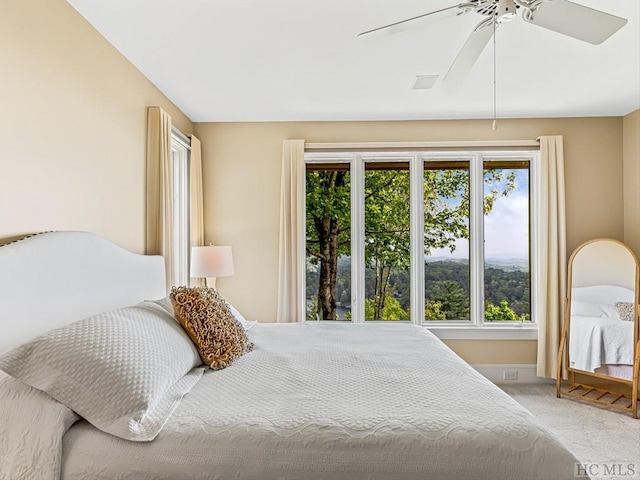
(328, 242)
(507, 277)
(179, 165)
(387, 240)
(446, 240)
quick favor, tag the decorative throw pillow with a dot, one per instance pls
(625, 310)
(207, 319)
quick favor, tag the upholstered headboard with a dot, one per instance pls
(51, 279)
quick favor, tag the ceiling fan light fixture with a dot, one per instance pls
(506, 11)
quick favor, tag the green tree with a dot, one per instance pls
(392, 309)
(328, 232)
(496, 313)
(387, 222)
(453, 300)
(387, 230)
(432, 311)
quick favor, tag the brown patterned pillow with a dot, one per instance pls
(206, 317)
(625, 310)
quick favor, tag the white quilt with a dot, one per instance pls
(333, 401)
(31, 428)
(595, 341)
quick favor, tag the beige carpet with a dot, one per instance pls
(607, 442)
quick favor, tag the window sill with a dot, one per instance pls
(484, 333)
(464, 332)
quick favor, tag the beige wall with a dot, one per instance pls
(72, 127)
(242, 187)
(495, 351)
(631, 156)
(73, 130)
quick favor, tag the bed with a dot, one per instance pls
(601, 342)
(311, 401)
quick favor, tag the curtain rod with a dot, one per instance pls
(413, 145)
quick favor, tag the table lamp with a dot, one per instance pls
(211, 262)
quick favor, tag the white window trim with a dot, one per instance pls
(449, 330)
(180, 148)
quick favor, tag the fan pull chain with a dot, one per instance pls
(495, 108)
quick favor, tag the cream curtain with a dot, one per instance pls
(292, 220)
(159, 237)
(196, 202)
(552, 262)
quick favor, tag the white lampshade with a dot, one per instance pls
(211, 262)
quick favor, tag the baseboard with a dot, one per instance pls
(505, 373)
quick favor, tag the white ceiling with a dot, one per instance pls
(292, 60)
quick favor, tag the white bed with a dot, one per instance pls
(599, 340)
(312, 401)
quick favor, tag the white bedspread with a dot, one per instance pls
(595, 341)
(333, 401)
(31, 428)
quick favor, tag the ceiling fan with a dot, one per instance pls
(562, 16)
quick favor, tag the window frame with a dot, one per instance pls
(180, 157)
(476, 327)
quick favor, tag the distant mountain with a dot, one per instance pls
(502, 263)
(521, 264)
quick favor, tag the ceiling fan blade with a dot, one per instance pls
(413, 22)
(577, 21)
(470, 51)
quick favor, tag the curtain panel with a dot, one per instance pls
(292, 220)
(552, 261)
(159, 231)
(196, 202)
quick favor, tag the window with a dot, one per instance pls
(328, 242)
(438, 239)
(180, 147)
(507, 240)
(387, 244)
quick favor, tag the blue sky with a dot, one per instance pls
(506, 226)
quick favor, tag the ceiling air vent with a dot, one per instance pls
(424, 82)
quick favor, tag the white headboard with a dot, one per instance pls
(51, 279)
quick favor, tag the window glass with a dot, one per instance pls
(387, 242)
(328, 242)
(463, 217)
(180, 178)
(507, 259)
(446, 240)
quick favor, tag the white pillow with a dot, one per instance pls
(240, 318)
(165, 304)
(593, 310)
(124, 371)
(609, 294)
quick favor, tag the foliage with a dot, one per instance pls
(453, 300)
(387, 235)
(513, 287)
(386, 230)
(498, 313)
(501, 285)
(392, 310)
(328, 232)
(433, 311)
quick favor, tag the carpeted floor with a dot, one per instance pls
(607, 442)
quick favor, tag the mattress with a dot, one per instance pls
(334, 401)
